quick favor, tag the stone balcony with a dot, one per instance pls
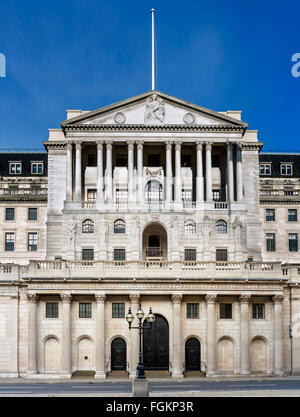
(150, 269)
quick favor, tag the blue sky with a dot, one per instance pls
(85, 54)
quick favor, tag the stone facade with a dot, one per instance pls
(158, 202)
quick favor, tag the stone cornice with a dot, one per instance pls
(155, 128)
(59, 145)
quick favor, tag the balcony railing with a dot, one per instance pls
(154, 253)
(280, 193)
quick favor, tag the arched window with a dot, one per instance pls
(221, 227)
(190, 227)
(119, 226)
(154, 192)
(88, 226)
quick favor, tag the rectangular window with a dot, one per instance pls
(85, 310)
(92, 195)
(32, 242)
(293, 242)
(118, 310)
(190, 255)
(265, 169)
(270, 242)
(258, 311)
(221, 255)
(87, 254)
(225, 311)
(37, 168)
(9, 242)
(119, 254)
(187, 195)
(10, 214)
(51, 310)
(92, 160)
(216, 195)
(292, 215)
(286, 169)
(192, 311)
(15, 168)
(32, 214)
(270, 215)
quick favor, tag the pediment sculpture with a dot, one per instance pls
(155, 110)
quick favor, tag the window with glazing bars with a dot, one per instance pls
(87, 254)
(85, 310)
(51, 310)
(292, 215)
(270, 242)
(293, 242)
(10, 214)
(190, 255)
(192, 311)
(258, 311)
(9, 242)
(32, 242)
(119, 254)
(118, 310)
(225, 311)
(270, 215)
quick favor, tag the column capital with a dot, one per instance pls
(140, 144)
(109, 143)
(176, 298)
(278, 299)
(211, 298)
(177, 145)
(134, 298)
(99, 144)
(229, 143)
(199, 146)
(208, 146)
(245, 298)
(169, 144)
(66, 298)
(100, 298)
(78, 145)
(130, 144)
(32, 298)
(69, 145)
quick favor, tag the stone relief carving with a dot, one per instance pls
(154, 172)
(237, 227)
(155, 110)
(206, 230)
(72, 229)
(120, 118)
(189, 118)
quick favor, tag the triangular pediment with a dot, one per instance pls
(154, 108)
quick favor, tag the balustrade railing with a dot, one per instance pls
(221, 205)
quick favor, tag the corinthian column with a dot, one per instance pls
(134, 335)
(177, 355)
(66, 335)
(32, 334)
(239, 173)
(199, 180)
(244, 328)
(278, 337)
(100, 172)
(140, 161)
(109, 173)
(78, 173)
(130, 172)
(230, 183)
(169, 172)
(69, 192)
(208, 147)
(100, 336)
(211, 333)
(178, 186)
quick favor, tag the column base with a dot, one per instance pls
(178, 375)
(9, 375)
(278, 372)
(132, 375)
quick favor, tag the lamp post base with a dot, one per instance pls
(140, 388)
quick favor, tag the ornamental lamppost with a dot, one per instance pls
(140, 370)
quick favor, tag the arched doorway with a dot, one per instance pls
(156, 345)
(118, 355)
(154, 193)
(192, 355)
(155, 244)
(85, 355)
(258, 356)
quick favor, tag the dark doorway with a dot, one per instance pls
(118, 355)
(156, 345)
(192, 355)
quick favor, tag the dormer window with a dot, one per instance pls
(286, 169)
(265, 169)
(37, 168)
(15, 168)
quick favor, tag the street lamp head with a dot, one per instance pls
(140, 313)
(129, 316)
(151, 317)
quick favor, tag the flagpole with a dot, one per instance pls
(153, 58)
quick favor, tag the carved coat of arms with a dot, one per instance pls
(155, 110)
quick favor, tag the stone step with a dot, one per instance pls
(194, 374)
(84, 374)
(117, 374)
(158, 374)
